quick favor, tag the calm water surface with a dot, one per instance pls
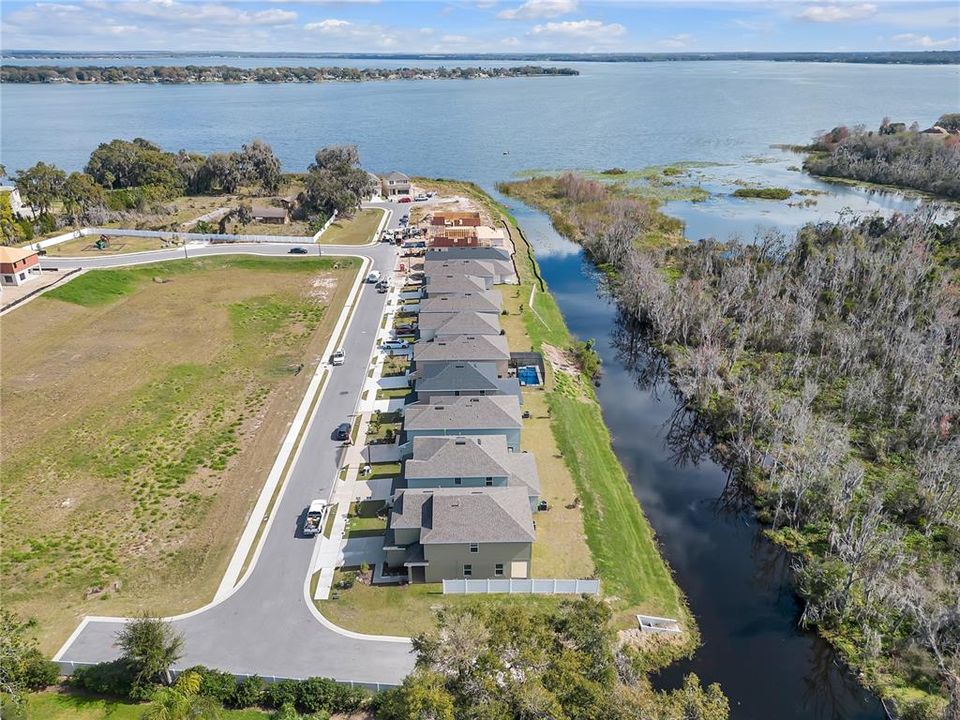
(626, 115)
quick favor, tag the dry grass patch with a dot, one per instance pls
(356, 230)
(561, 549)
(141, 407)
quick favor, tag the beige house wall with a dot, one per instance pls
(447, 561)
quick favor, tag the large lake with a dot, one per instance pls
(627, 115)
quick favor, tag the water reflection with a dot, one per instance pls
(738, 584)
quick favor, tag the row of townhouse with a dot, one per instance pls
(466, 501)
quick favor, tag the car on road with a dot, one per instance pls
(374, 276)
(338, 358)
(342, 432)
(394, 345)
(421, 198)
(297, 251)
(313, 522)
(405, 199)
(404, 219)
(382, 286)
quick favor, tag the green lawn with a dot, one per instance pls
(408, 610)
(393, 393)
(63, 706)
(386, 469)
(357, 230)
(365, 518)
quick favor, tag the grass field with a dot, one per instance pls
(84, 247)
(142, 410)
(357, 230)
(70, 706)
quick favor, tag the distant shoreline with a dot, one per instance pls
(228, 74)
(926, 57)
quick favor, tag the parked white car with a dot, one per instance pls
(394, 345)
(338, 358)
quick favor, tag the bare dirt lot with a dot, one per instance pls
(141, 412)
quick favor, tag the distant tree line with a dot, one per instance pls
(138, 176)
(826, 369)
(893, 155)
(177, 74)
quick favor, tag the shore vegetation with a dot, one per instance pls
(184, 74)
(894, 154)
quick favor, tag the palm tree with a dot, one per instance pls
(182, 701)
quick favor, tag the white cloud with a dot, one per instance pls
(677, 42)
(510, 41)
(537, 9)
(330, 25)
(837, 12)
(581, 30)
(577, 35)
(925, 41)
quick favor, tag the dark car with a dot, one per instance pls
(297, 251)
(342, 432)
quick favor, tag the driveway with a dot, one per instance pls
(268, 626)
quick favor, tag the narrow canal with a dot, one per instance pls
(738, 583)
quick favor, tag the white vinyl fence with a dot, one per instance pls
(180, 237)
(530, 586)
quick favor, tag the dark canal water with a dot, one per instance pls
(738, 584)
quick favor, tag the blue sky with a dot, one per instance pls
(437, 26)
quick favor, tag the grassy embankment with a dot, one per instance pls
(356, 230)
(142, 407)
(595, 526)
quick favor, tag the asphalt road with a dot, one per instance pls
(267, 626)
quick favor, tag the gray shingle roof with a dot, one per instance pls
(479, 268)
(396, 176)
(447, 457)
(472, 456)
(496, 515)
(461, 376)
(450, 516)
(453, 283)
(491, 268)
(482, 301)
(460, 323)
(462, 348)
(463, 414)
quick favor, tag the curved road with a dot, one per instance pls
(268, 626)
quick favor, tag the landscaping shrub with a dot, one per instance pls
(280, 693)
(249, 692)
(36, 672)
(108, 678)
(348, 699)
(315, 694)
(220, 686)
